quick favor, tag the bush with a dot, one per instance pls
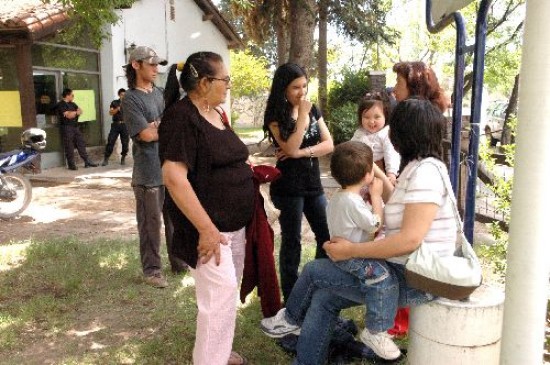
(343, 122)
(351, 89)
(235, 116)
(341, 113)
(502, 188)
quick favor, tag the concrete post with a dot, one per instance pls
(457, 333)
(528, 250)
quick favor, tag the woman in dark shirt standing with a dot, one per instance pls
(211, 198)
(300, 135)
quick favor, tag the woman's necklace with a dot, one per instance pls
(146, 90)
(213, 117)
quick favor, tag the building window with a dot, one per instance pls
(10, 114)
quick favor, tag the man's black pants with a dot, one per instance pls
(117, 129)
(72, 137)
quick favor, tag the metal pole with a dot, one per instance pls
(458, 91)
(477, 89)
(528, 249)
(457, 101)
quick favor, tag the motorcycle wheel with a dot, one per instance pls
(23, 194)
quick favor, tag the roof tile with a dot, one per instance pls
(31, 15)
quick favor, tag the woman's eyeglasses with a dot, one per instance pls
(227, 79)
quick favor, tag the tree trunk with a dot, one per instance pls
(281, 30)
(302, 22)
(511, 110)
(322, 57)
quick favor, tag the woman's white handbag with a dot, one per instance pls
(453, 277)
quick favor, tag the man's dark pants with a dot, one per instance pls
(72, 137)
(117, 129)
(149, 208)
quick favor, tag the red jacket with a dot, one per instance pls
(259, 265)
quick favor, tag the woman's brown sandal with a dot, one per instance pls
(237, 359)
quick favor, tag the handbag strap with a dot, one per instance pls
(223, 117)
(450, 193)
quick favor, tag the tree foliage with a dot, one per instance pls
(94, 15)
(342, 104)
(364, 21)
(502, 188)
(343, 122)
(265, 20)
(249, 75)
(250, 83)
(503, 47)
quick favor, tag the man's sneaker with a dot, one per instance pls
(278, 326)
(156, 280)
(381, 343)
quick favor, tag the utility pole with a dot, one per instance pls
(528, 249)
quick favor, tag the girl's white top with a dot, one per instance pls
(381, 146)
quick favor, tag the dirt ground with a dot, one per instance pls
(99, 202)
(83, 204)
(91, 203)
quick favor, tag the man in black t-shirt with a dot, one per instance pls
(118, 128)
(68, 113)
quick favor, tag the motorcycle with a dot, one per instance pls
(15, 188)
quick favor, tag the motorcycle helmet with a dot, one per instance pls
(34, 138)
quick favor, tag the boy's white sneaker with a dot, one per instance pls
(381, 343)
(277, 326)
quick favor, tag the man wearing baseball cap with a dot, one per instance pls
(143, 105)
(146, 54)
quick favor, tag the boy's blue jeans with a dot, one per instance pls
(321, 292)
(380, 290)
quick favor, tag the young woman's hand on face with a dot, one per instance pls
(304, 107)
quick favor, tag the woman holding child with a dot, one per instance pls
(417, 210)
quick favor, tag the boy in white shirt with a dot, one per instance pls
(349, 216)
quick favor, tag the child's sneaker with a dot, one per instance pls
(277, 326)
(381, 343)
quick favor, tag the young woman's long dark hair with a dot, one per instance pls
(197, 66)
(417, 128)
(278, 109)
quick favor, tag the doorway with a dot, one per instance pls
(46, 89)
(47, 85)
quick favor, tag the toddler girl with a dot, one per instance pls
(372, 112)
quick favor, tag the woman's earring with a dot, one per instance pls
(206, 109)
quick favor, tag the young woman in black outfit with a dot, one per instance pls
(301, 136)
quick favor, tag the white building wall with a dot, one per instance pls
(148, 23)
(189, 33)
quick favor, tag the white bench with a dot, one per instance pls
(457, 332)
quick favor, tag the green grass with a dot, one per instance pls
(68, 302)
(249, 132)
